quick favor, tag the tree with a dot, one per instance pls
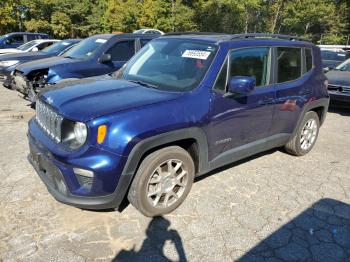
(122, 16)
(7, 16)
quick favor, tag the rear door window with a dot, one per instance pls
(288, 64)
(16, 39)
(122, 51)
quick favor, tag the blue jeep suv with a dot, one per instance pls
(182, 106)
(96, 55)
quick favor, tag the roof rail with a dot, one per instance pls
(195, 33)
(266, 35)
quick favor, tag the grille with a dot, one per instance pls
(339, 88)
(49, 120)
(346, 89)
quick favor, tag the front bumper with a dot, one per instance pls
(62, 185)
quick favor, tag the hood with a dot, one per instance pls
(10, 51)
(337, 77)
(55, 61)
(24, 56)
(86, 99)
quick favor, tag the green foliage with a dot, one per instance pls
(7, 20)
(326, 21)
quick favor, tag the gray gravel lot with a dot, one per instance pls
(272, 207)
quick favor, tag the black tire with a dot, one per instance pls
(294, 146)
(139, 188)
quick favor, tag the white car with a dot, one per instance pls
(149, 31)
(32, 46)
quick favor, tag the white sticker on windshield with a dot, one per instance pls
(196, 54)
(65, 43)
(101, 40)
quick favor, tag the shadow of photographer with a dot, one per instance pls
(157, 234)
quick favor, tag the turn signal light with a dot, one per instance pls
(101, 134)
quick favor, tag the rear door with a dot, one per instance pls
(237, 120)
(293, 83)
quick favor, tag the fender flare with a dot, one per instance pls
(323, 102)
(147, 144)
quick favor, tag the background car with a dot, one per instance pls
(149, 31)
(32, 46)
(339, 84)
(333, 57)
(8, 62)
(16, 39)
(96, 55)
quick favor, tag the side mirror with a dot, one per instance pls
(105, 58)
(242, 85)
(7, 42)
(35, 49)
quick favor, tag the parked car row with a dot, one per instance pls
(93, 56)
(8, 62)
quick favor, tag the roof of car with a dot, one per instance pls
(222, 37)
(125, 35)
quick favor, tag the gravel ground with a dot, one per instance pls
(271, 207)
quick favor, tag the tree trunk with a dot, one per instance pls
(278, 11)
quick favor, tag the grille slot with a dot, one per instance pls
(49, 120)
(339, 88)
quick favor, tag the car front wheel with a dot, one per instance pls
(162, 181)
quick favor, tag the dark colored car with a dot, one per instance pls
(96, 55)
(182, 106)
(332, 58)
(9, 62)
(339, 84)
(16, 39)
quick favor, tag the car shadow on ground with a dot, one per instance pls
(320, 233)
(237, 163)
(339, 110)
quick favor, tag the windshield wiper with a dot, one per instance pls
(144, 84)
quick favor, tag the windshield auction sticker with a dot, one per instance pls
(196, 54)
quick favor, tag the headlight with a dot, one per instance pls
(74, 134)
(80, 133)
(8, 63)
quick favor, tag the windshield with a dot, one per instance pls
(28, 45)
(85, 48)
(57, 47)
(334, 55)
(345, 66)
(170, 64)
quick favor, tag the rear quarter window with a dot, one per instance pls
(308, 59)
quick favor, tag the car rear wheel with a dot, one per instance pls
(305, 138)
(162, 181)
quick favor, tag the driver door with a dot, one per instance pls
(241, 120)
